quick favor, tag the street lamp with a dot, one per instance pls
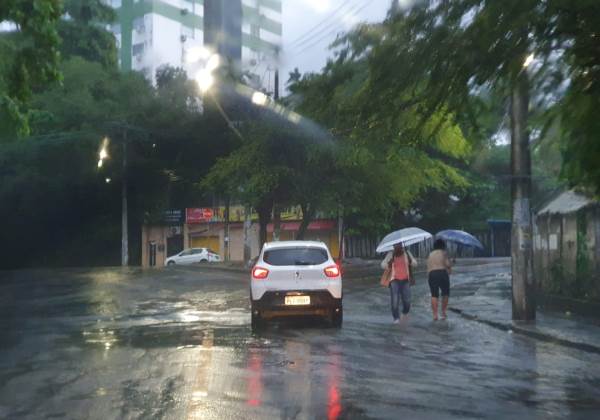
(259, 98)
(196, 54)
(210, 62)
(205, 80)
(103, 154)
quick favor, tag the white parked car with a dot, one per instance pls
(193, 256)
(295, 278)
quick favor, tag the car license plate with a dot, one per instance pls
(297, 300)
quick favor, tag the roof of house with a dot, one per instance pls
(566, 202)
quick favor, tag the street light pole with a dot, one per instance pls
(124, 221)
(276, 206)
(247, 226)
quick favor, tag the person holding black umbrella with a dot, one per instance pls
(438, 269)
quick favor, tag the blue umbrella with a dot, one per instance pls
(459, 237)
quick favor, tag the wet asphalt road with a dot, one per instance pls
(111, 343)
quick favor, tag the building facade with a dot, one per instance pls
(151, 33)
(206, 228)
(567, 247)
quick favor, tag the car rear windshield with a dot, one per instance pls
(295, 256)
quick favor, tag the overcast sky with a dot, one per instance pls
(309, 26)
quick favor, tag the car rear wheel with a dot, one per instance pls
(337, 317)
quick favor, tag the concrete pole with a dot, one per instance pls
(226, 238)
(523, 283)
(276, 207)
(276, 223)
(124, 221)
(341, 249)
(247, 225)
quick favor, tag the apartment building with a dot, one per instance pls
(151, 33)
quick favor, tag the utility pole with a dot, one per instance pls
(276, 206)
(247, 225)
(226, 233)
(124, 224)
(341, 254)
(523, 282)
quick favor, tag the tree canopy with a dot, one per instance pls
(29, 57)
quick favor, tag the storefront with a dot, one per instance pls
(206, 228)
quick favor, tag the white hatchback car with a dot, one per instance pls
(193, 256)
(295, 278)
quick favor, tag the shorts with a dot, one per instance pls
(439, 279)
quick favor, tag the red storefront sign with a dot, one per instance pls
(198, 215)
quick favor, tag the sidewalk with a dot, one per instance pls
(485, 297)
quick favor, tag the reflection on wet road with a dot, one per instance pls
(109, 343)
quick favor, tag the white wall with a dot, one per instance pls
(161, 38)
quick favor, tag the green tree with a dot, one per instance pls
(28, 58)
(579, 128)
(451, 49)
(388, 152)
(83, 34)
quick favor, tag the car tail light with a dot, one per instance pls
(332, 271)
(259, 273)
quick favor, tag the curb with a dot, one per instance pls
(352, 272)
(533, 334)
(226, 268)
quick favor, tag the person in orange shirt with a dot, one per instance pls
(398, 263)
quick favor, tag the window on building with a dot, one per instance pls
(187, 32)
(138, 49)
(138, 24)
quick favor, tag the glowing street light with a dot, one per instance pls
(529, 60)
(103, 154)
(259, 98)
(205, 80)
(209, 62)
(193, 55)
(213, 63)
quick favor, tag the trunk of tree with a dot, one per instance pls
(264, 217)
(308, 214)
(276, 223)
(124, 220)
(523, 283)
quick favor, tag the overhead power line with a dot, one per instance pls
(327, 34)
(325, 21)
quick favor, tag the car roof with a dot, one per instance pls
(291, 244)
